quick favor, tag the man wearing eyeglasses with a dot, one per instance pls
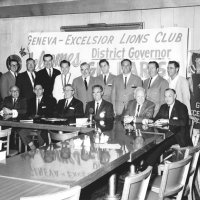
(13, 105)
(99, 108)
(8, 79)
(69, 107)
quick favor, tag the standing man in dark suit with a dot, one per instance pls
(140, 108)
(175, 114)
(155, 86)
(124, 86)
(106, 79)
(83, 85)
(100, 108)
(46, 76)
(69, 107)
(38, 106)
(13, 105)
(25, 81)
(8, 79)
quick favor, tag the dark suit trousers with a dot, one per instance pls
(25, 135)
(153, 156)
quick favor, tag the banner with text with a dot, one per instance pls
(140, 46)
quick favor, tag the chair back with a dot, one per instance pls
(6, 133)
(70, 194)
(62, 136)
(135, 186)
(174, 179)
(194, 152)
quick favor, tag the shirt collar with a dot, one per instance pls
(98, 102)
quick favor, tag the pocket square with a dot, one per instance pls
(109, 84)
(71, 108)
(43, 106)
(175, 118)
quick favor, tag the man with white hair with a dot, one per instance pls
(139, 108)
(83, 84)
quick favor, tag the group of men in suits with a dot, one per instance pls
(103, 97)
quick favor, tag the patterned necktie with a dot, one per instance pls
(33, 78)
(104, 80)
(85, 82)
(125, 82)
(149, 83)
(138, 111)
(97, 108)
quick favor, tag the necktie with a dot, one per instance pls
(149, 83)
(50, 72)
(97, 108)
(104, 80)
(125, 80)
(15, 76)
(38, 105)
(14, 102)
(138, 111)
(169, 111)
(65, 80)
(66, 103)
(33, 78)
(85, 82)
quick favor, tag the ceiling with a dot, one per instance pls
(27, 8)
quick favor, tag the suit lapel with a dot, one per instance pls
(173, 112)
(155, 82)
(101, 106)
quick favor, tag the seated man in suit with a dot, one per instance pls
(139, 108)
(13, 105)
(99, 108)
(175, 114)
(39, 106)
(69, 107)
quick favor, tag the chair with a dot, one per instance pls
(194, 152)
(172, 182)
(60, 136)
(135, 186)
(70, 194)
(6, 134)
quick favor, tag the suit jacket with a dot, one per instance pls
(120, 95)
(7, 81)
(45, 109)
(108, 87)
(46, 81)
(105, 110)
(20, 105)
(156, 92)
(24, 83)
(146, 110)
(72, 111)
(183, 92)
(178, 122)
(58, 86)
(80, 91)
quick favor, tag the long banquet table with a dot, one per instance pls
(66, 164)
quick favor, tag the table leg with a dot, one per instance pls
(112, 189)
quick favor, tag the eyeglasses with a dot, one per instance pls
(68, 90)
